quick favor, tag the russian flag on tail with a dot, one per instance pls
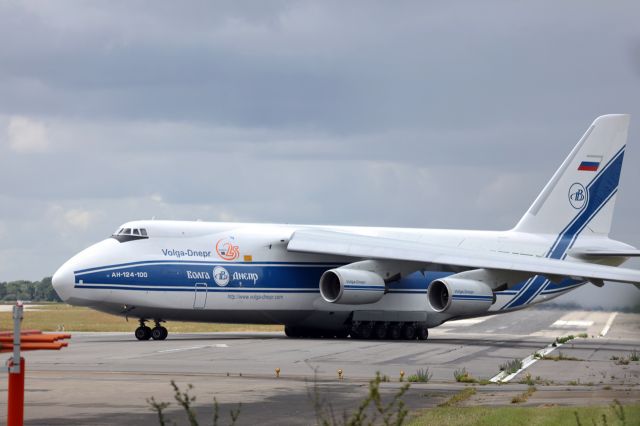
(589, 166)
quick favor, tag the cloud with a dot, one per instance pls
(69, 221)
(27, 135)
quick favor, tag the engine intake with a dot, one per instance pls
(351, 286)
(458, 296)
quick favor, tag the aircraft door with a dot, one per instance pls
(200, 298)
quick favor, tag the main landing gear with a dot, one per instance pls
(383, 330)
(366, 330)
(156, 333)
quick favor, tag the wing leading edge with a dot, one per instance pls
(367, 247)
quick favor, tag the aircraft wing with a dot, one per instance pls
(368, 247)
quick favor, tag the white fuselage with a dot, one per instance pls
(243, 273)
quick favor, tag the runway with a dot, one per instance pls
(105, 378)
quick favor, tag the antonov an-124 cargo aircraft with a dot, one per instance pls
(383, 283)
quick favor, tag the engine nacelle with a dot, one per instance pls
(351, 286)
(459, 296)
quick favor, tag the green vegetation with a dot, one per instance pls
(527, 416)
(524, 396)
(529, 380)
(512, 366)
(621, 360)
(185, 400)
(371, 410)
(34, 291)
(60, 316)
(459, 397)
(422, 375)
(560, 357)
(565, 339)
(463, 376)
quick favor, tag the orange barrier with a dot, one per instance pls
(34, 346)
(35, 337)
(29, 340)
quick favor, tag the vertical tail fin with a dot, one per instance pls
(581, 195)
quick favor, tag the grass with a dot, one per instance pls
(421, 376)
(463, 376)
(530, 380)
(54, 316)
(459, 397)
(520, 416)
(565, 339)
(560, 357)
(512, 366)
(524, 396)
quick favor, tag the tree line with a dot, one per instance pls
(35, 291)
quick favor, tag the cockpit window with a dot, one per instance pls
(130, 234)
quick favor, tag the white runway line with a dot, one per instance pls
(190, 348)
(572, 323)
(607, 326)
(503, 377)
(466, 322)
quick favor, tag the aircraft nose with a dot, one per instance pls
(63, 281)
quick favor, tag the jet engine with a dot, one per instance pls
(351, 286)
(460, 296)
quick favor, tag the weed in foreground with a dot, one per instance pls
(618, 412)
(462, 376)
(564, 339)
(422, 376)
(393, 412)
(523, 397)
(512, 366)
(186, 400)
(456, 399)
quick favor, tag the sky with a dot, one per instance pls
(409, 114)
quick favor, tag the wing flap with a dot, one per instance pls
(370, 247)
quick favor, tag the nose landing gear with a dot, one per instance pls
(145, 333)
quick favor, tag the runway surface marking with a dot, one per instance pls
(190, 348)
(466, 322)
(607, 326)
(503, 377)
(572, 323)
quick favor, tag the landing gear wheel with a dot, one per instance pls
(380, 331)
(395, 332)
(143, 333)
(409, 332)
(365, 331)
(423, 333)
(159, 333)
(355, 332)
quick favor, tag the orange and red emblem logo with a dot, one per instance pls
(227, 250)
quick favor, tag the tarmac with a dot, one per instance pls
(107, 378)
